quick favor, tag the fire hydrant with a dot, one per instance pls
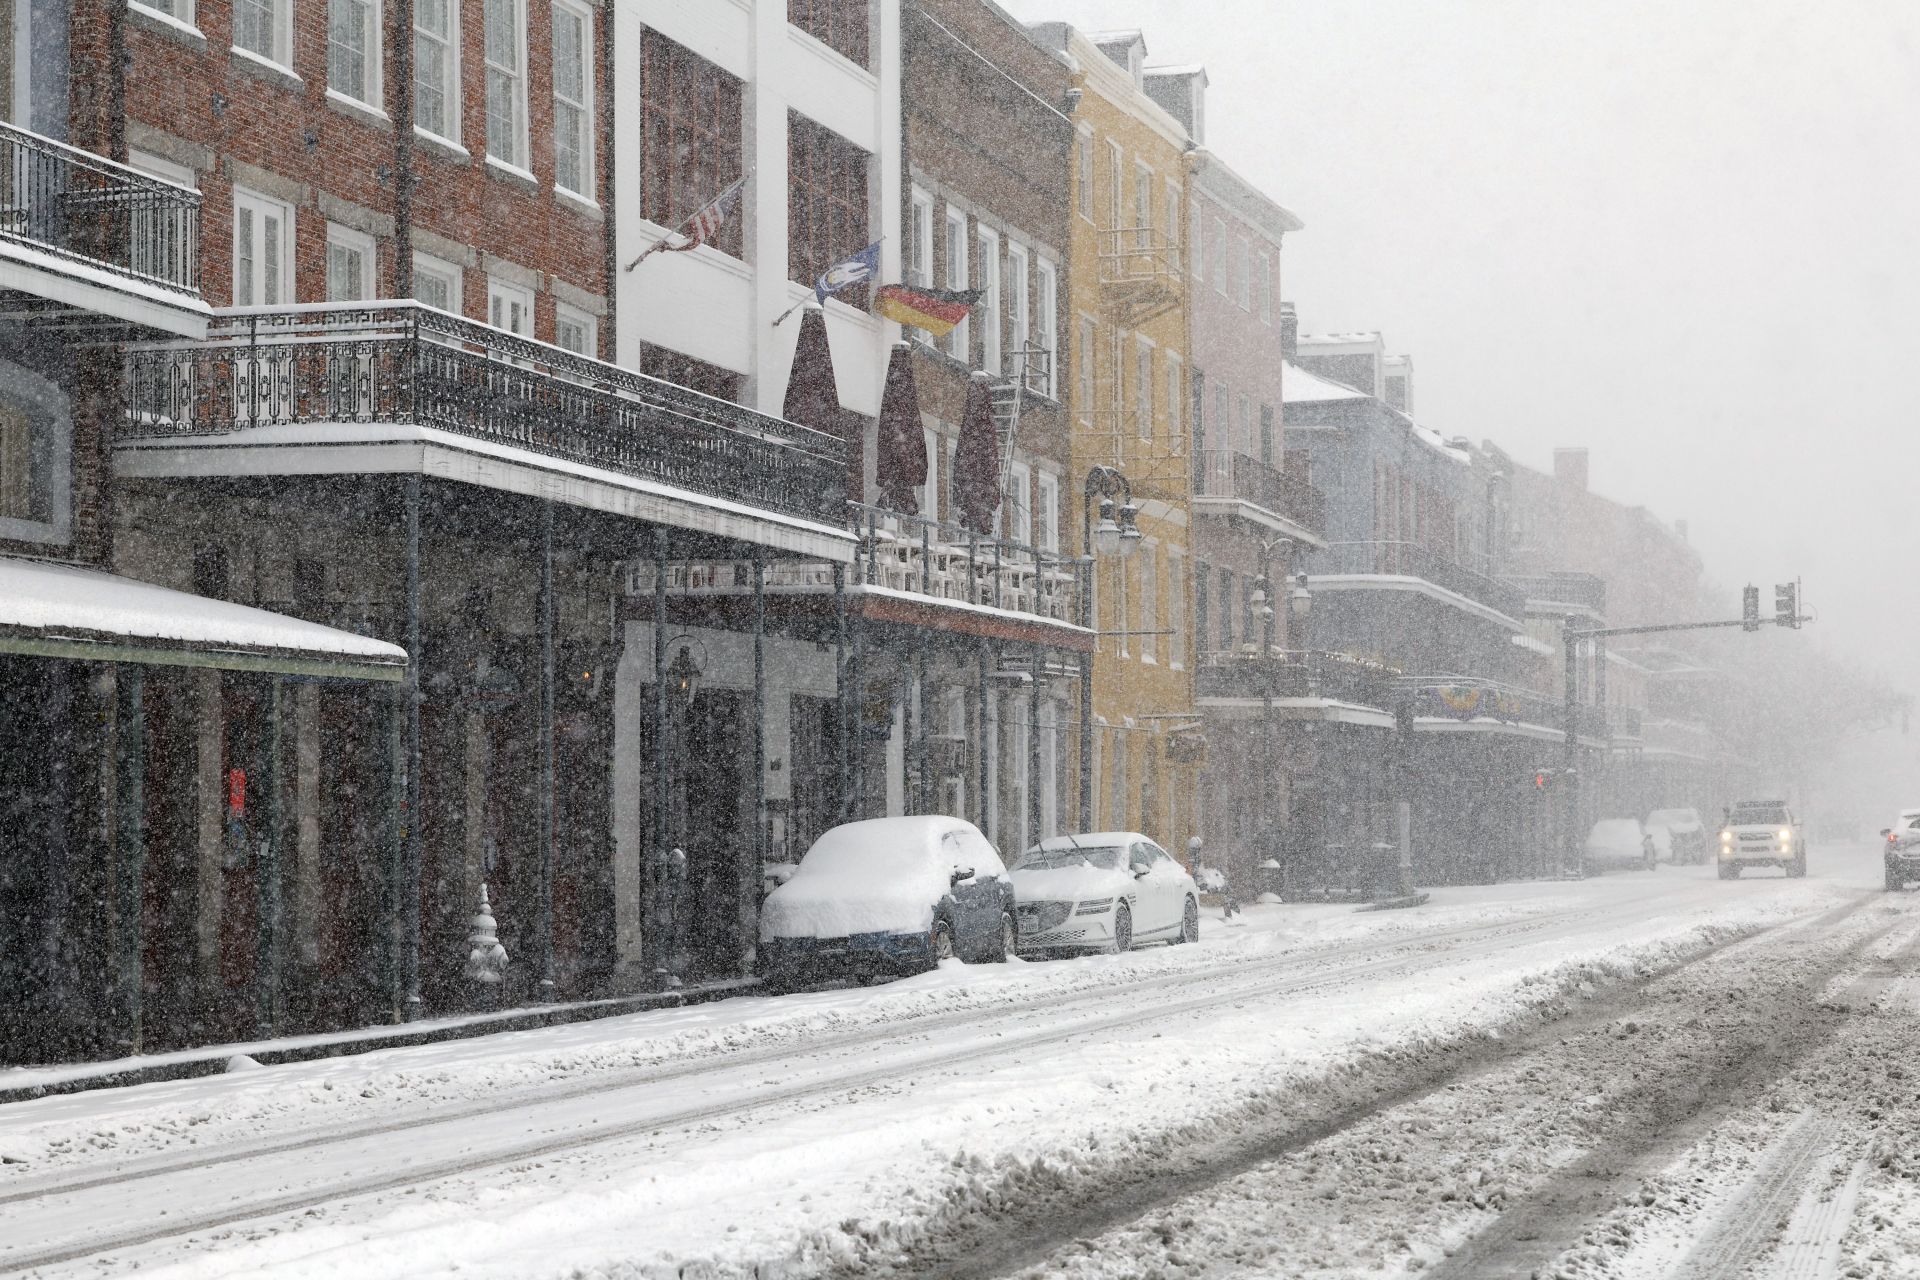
(486, 958)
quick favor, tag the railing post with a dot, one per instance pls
(872, 541)
(926, 561)
(996, 573)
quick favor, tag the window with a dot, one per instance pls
(990, 313)
(1243, 274)
(1116, 186)
(36, 456)
(436, 68)
(262, 251)
(1176, 612)
(1117, 800)
(353, 49)
(1263, 285)
(1143, 390)
(1176, 395)
(1019, 307)
(1243, 442)
(510, 307)
(1143, 204)
(1202, 620)
(958, 343)
(181, 9)
(1123, 616)
(685, 371)
(350, 264)
(264, 28)
(841, 25)
(1084, 357)
(1017, 512)
(690, 137)
(1174, 197)
(1266, 436)
(158, 241)
(1222, 437)
(1046, 512)
(1197, 250)
(929, 492)
(826, 203)
(506, 37)
(1047, 316)
(1083, 173)
(576, 331)
(437, 283)
(1149, 603)
(1220, 264)
(1225, 601)
(573, 100)
(920, 242)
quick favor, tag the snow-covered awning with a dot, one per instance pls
(66, 611)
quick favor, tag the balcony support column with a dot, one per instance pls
(1570, 793)
(130, 832)
(857, 707)
(844, 727)
(749, 894)
(410, 831)
(983, 806)
(1037, 666)
(543, 890)
(654, 943)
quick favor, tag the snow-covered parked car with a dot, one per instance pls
(1619, 842)
(1107, 891)
(1682, 833)
(888, 897)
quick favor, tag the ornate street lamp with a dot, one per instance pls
(1111, 537)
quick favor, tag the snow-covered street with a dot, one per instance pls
(1595, 1078)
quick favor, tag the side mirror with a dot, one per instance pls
(961, 873)
(1886, 831)
(1139, 872)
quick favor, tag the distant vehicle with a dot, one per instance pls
(1902, 853)
(1106, 891)
(885, 898)
(1761, 833)
(1685, 834)
(1619, 842)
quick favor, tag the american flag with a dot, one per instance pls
(701, 227)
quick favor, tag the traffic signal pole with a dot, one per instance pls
(1786, 614)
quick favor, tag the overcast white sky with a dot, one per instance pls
(1679, 232)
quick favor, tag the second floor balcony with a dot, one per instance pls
(1239, 483)
(1244, 674)
(1139, 274)
(1416, 561)
(81, 235)
(404, 365)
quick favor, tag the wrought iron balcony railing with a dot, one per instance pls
(402, 362)
(939, 563)
(1584, 590)
(89, 210)
(1468, 698)
(1226, 473)
(1293, 673)
(1139, 273)
(1412, 560)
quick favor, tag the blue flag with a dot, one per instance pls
(861, 266)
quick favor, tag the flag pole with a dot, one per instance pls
(687, 221)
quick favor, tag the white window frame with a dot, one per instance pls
(586, 323)
(280, 37)
(249, 209)
(448, 273)
(515, 78)
(584, 16)
(959, 342)
(1243, 273)
(920, 244)
(1048, 315)
(1264, 286)
(1143, 203)
(178, 12)
(1116, 196)
(1017, 511)
(502, 297)
(990, 303)
(1143, 387)
(1123, 621)
(1222, 414)
(1083, 198)
(1086, 359)
(349, 240)
(449, 45)
(372, 20)
(1176, 609)
(1117, 802)
(1176, 395)
(1175, 195)
(1149, 559)
(1019, 299)
(930, 490)
(1246, 444)
(1046, 511)
(1197, 249)
(1222, 267)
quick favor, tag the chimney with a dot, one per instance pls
(1570, 467)
(1289, 332)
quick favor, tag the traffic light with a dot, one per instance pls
(1542, 781)
(1786, 611)
(1750, 609)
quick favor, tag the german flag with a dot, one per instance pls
(935, 310)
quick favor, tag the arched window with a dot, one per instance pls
(36, 450)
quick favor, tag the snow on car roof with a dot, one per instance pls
(1091, 839)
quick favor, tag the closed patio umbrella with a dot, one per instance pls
(976, 462)
(900, 465)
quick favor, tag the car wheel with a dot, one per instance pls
(1009, 940)
(1729, 873)
(1122, 929)
(1798, 867)
(1894, 882)
(1189, 923)
(942, 941)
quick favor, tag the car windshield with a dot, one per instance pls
(1746, 815)
(1054, 857)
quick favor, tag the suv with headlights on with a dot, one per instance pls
(1761, 833)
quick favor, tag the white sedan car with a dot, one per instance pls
(1107, 891)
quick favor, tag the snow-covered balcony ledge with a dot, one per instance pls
(80, 233)
(1293, 673)
(1410, 566)
(343, 366)
(1230, 483)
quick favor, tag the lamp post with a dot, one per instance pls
(1111, 537)
(1299, 604)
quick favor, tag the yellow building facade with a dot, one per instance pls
(1128, 398)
